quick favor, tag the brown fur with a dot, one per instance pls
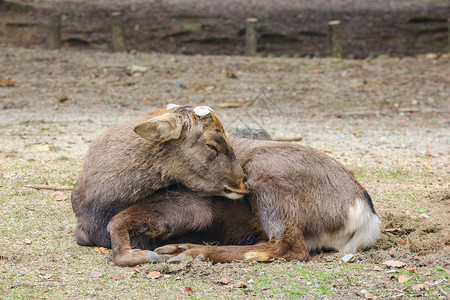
(122, 168)
(297, 194)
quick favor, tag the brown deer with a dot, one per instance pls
(300, 200)
(179, 145)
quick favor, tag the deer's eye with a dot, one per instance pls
(212, 148)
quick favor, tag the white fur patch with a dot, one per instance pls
(202, 110)
(172, 105)
(361, 231)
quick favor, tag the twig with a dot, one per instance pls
(48, 187)
(442, 291)
(293, 139)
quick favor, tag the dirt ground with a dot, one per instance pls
(387, 119)
(286, 28)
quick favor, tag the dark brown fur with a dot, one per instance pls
(122, 168)
(300, 200)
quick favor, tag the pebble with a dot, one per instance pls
(348, 258)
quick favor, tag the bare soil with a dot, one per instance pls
(286, 28)
(387, 119)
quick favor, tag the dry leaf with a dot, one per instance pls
(96, 273)
(47, 276)
(154, 275)
(420, 287)
(59, 196)
(224, 280)
(187, 291)
(117, 277)
(370, 296)
(412, 270)
(42, 148)
(377, 268)
(27, 242)
(356, 84)
(7, 82)
(402, 278)
(240, 284)
(394, 264)
(101, 250)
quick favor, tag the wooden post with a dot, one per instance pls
(251, 36)
(448, 35)
(54, 32)
(118, 34)
(335, 38)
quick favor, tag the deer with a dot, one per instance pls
(300, 201)
(179, 145)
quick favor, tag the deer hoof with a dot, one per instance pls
(178, 259)
(153, 257)
(200, 257)
(183, 248)
(167, 249)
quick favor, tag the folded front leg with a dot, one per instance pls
(120, 227)
(156, 222)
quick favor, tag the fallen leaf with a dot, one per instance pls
(27, 242)
(239, 284)
(187, 291)
(117, 277)
(356, 84)
(96, 274)
(59, 196)
(136, 69)
(47, 276)
(7, 82)
(420, 287)
(224, 281)
(394, 264)
(82, 272)
(402, 278)
(62, 99)
(101, 250)
(412, 270)
(377, 268)
(154, 275)
(42, 148)
(392, 229)
(370, 296)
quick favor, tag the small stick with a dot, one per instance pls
(54, 32)
(251, 37)
(442, 291)
(293, 139)
(48, 187)
(335, 38)
(118, 34)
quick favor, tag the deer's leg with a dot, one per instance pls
(264, 251)
(132, 221)
(162, 220)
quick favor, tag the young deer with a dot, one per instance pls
(127, 164)
(300, 200)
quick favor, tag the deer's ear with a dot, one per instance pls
(161, 129)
